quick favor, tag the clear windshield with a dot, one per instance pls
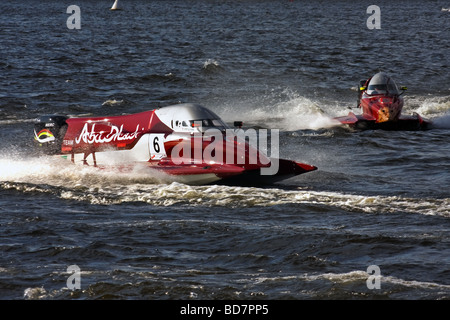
(377, 89)
(382, 84)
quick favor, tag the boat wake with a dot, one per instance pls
(47, 170)
(332, 285)
(88, 184)
(442, 122)
(436, 109)
(290, 113)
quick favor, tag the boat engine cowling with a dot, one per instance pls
(49, 133)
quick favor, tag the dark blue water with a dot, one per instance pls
(378, 198)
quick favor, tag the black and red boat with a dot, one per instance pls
(381, 102)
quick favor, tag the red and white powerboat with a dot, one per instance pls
(188, 142)
(381, 102)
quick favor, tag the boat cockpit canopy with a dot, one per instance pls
(381, 83)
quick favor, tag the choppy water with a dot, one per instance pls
(378, 198)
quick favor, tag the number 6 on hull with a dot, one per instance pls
(156, 146)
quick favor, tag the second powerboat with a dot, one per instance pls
(381, 102)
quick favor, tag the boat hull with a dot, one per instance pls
(187, 143)
(403, 123)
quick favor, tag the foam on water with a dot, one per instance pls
(95, 186)
(59, 172)
(437, 109)
(442, 122)
(357, 276)
(286, 111)
(300, 113)
(296, 112)
(256, 285)
(429, 106)
(290, 111)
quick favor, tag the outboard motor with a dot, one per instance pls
(49, 132)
